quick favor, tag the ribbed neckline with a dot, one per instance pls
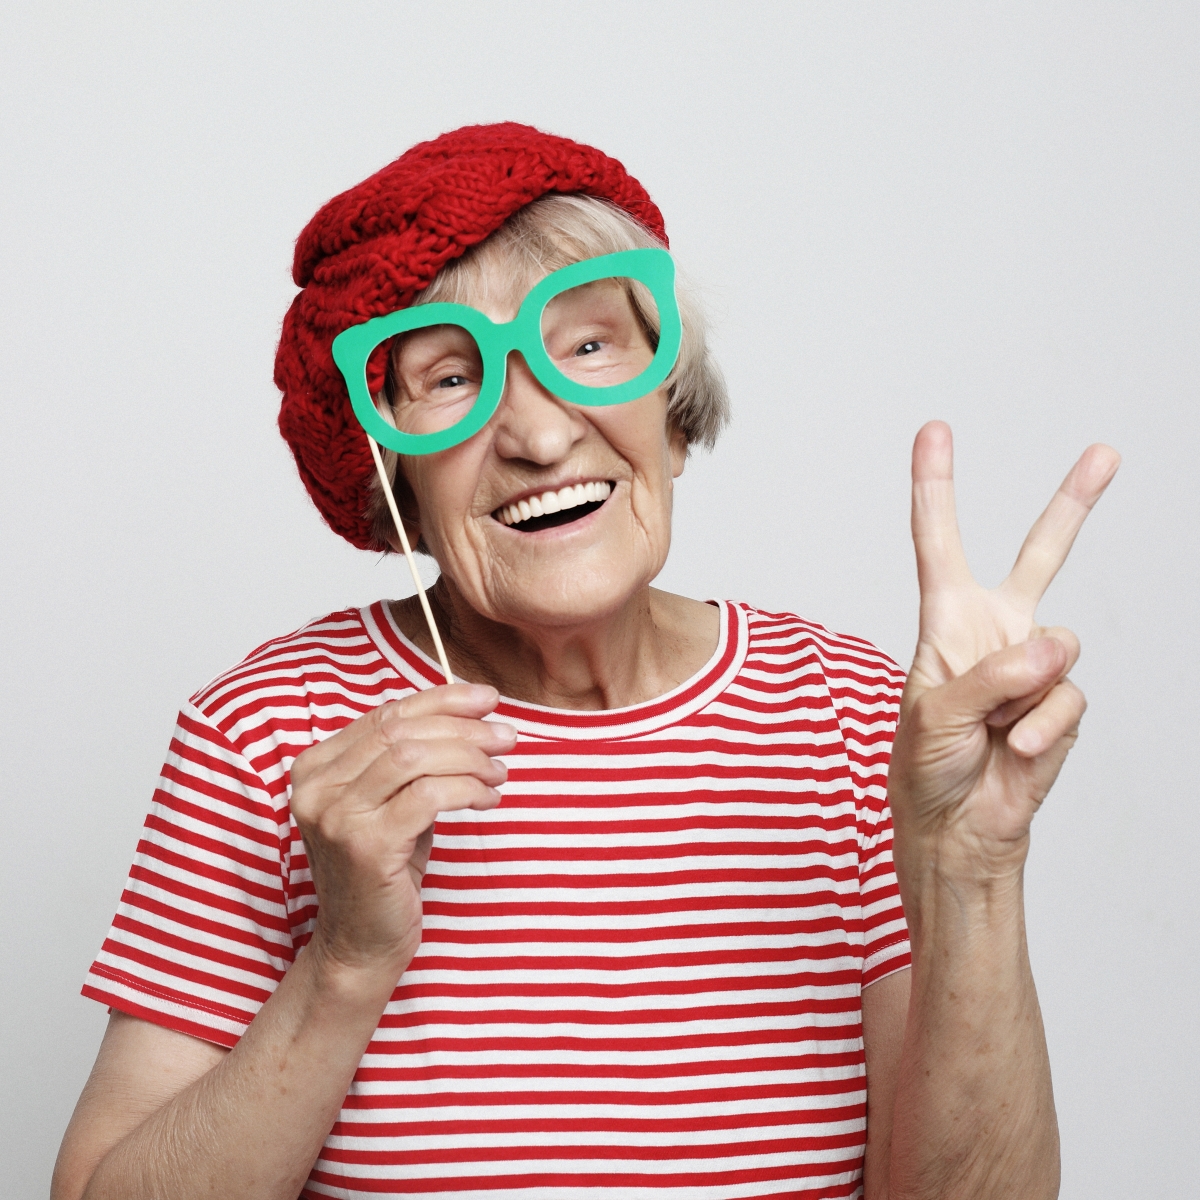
(533, 720)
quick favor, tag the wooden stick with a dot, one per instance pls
(412, 565)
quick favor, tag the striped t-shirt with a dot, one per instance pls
(641, 974)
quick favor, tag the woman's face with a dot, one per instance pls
(590, 553)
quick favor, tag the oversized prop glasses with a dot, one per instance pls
(587, 332)
(602, 331)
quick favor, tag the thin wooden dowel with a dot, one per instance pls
(412, 562)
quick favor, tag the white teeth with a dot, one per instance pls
(552, 502)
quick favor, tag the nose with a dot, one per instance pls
(531, 423)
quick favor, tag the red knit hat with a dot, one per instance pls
(370, 250)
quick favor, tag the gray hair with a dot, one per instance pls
(552, 232)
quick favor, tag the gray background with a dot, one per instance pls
(985, 213)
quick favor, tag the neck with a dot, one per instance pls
(647, 648)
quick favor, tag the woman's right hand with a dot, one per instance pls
(365, 801)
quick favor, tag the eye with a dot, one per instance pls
(453, 381)
(589, 348)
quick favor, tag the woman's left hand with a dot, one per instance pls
(988, 713)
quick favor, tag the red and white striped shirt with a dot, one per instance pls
(641, 974)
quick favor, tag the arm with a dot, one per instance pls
(166, 1116)
(884, 1014)
(987, 719)
(247, 1122)
(139, 1068)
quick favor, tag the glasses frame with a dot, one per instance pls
(649, 266)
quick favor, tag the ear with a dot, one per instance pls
(677, 446)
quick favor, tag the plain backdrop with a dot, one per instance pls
(981, 212)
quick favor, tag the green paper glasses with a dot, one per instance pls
(602, 331)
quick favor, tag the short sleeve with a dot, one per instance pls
(865, 686)
(202, 935)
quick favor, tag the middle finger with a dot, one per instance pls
(1049, 542)
(405, 762)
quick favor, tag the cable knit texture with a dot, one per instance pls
(369, 252)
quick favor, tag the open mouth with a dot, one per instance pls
(554, 508)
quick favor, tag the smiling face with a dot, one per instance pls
(552, 514)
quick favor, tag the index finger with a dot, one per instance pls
(940, 557)
(450, 700)
(1053, 534)
(446, 700)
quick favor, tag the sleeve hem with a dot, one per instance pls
(891, 955)
(158, 1009)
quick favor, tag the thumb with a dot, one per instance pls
(1025, 669)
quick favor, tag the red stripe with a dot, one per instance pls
(825, 1061)
(547, 1126)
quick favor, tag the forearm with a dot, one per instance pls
(253, 1126)
(974, 1110)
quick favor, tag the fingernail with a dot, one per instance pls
(504, 731)
(500, 766)
(1024, 741)
(1043, 653)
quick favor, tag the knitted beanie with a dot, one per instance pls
(369, 252)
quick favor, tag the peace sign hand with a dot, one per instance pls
(988, 713)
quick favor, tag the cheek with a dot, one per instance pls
(443, 486)
(639, 434)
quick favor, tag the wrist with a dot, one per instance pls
(956, 895)
(967, 864)
(352, 979)
(955, 934)
(962, 846)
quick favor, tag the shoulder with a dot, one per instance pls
(308, 683)
(851, 688)
(845, 660)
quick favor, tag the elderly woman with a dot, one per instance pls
(619, 910)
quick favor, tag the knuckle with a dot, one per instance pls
(327, 825)
(306, 764)
(427, 791)
(301, 802)
(1007, 668)
(306, 798)
(406, 754)
(389, 719)
(309, 806)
